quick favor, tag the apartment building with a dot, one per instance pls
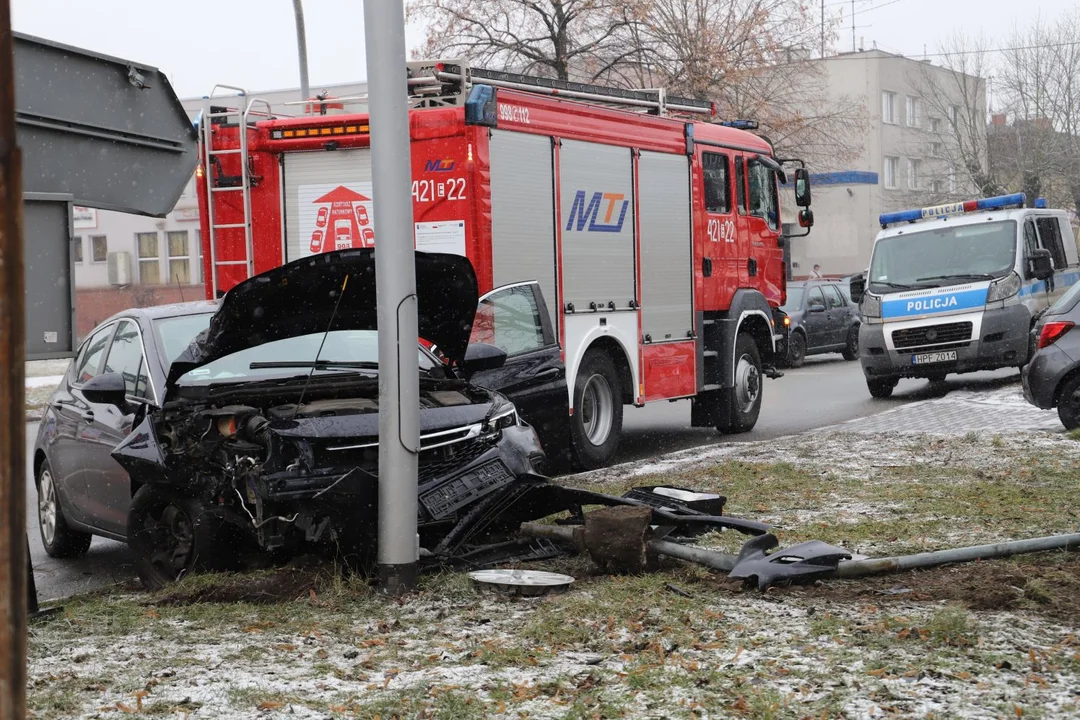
(919, 117)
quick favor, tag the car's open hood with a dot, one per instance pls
(299, 298)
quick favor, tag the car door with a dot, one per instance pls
(1039, 296)
(109, 488)
(836, 312)
(816, 320)
(68, 448)
(515, 319)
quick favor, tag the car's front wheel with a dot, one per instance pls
(172, 536)
(59, 540)
(796, 350)
(851, 346)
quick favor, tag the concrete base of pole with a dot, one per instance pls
(396, 580)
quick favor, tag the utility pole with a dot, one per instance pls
(395, 285)
(301, 48)
(822, 28)
(13, 548)
(852, 25)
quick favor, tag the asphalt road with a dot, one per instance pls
(826, 391)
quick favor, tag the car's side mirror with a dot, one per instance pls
(1040, 264)
(107, 389)
(857, 288)
(802, 189)
(482, 356)
(816, 308)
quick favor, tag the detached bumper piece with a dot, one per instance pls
(797, 563)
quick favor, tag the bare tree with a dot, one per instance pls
(954, 98)
(565, 39)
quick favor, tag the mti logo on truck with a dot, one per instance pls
(588, 214)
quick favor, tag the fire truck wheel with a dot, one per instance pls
(745, 397)
(598, 411)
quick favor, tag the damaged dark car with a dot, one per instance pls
(267, 439)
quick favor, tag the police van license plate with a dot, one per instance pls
(937, 357)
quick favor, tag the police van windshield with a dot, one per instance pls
(943, 256)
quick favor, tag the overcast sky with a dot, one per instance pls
(252, 43)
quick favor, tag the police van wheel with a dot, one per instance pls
(882, 388)
(598, 411)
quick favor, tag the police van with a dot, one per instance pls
(956, 288)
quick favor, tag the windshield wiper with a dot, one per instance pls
(894, 286)
(317, 364)
(958, 276)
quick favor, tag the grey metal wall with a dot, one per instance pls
(666, 248)
(598, 224)
(308, 175)
(50, 297)
(523, 212)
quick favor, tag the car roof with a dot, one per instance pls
(156, 312)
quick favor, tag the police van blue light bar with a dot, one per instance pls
(990, 203)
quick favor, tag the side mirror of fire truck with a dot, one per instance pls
(806, 218)
(802, 190)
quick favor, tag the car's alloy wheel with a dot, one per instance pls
(173, 536)
(796, 350)
(58, 539)
(1069, 403)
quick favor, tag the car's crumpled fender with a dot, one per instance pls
(141, 455)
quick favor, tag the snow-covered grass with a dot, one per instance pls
(991, 639)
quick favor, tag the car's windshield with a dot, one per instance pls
(943, 256)
(794, 299)
(351, 348)
(176, 333)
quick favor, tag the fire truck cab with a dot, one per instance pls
(626, 253)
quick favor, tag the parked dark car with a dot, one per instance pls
(1051, 378)
(823, 320)
(262, 433)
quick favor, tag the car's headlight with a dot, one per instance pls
(870, 306)
(505, 416)
(1003, 288)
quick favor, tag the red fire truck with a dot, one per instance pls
(629, 248)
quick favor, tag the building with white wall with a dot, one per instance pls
(910, 153)
(166, 251)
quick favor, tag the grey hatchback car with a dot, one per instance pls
(1052, 376)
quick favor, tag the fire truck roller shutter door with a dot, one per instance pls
(666, 262)
(339, 181)
(523, 213)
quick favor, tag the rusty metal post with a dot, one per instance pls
(13, 561)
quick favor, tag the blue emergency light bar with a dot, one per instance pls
(991, 203)
(740, 124)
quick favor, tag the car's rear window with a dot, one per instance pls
(176, 333)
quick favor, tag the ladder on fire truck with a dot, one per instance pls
(214, 115)
(447, 82)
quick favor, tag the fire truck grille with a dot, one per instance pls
(935, 335)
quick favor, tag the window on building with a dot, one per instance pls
(198, 250)
(954, 115)
(99, 248)
(714, 166)
(179, 257)
(937, 149)
(76, 249)
(888, 107)
(938, 186)
(935, 125)
(912, 112)
(952, 179)
(914, 169)
(892, 166)
(149, 258)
